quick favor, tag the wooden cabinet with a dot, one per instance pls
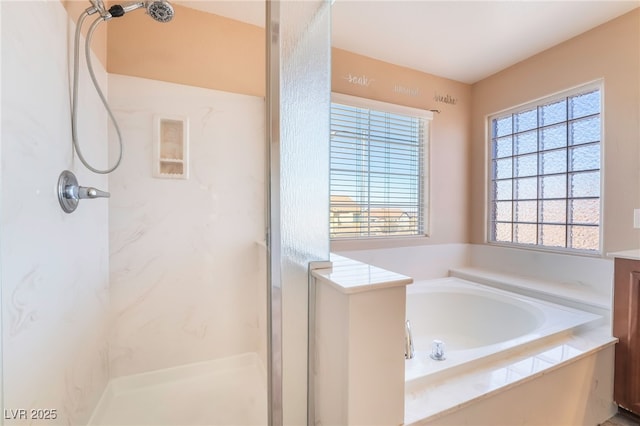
(626, 327)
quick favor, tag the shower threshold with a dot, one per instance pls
(227, 391)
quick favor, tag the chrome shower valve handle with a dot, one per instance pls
(89, 192)
(70, 193)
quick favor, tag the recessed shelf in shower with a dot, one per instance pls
(171, 147)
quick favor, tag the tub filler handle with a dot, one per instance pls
(408, 341)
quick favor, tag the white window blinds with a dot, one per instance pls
(377, 173)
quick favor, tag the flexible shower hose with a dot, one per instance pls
(74, 104)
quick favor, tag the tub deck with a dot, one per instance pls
(578, 353)
(427, 404)
(524, 322)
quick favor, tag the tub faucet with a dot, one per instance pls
(437, 350)
(408, 341)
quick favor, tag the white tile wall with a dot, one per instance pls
(54, 271)
(186, 281)
(591, 272)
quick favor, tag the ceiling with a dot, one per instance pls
(461, 40)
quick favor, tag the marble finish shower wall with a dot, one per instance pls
(187, 283)
(54, 266)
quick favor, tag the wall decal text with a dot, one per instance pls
(445, 99)
(409, 91)
(359, 80)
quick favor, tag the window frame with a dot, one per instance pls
(563, 94)
(358, 242)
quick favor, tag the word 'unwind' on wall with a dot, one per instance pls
(406, 90)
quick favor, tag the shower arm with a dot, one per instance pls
(98, 6)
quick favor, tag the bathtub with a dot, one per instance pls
(478, 323)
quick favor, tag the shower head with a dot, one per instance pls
(159, 10)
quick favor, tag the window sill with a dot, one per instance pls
(544, 249)
(377, 243)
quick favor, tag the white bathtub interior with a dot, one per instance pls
(478, 323)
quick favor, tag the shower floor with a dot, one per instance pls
(229, 391)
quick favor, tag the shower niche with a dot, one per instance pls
(171, 147)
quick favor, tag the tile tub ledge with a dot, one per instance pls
(574, 294)
(360, 314)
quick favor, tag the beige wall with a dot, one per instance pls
(362, 76)
(610, 52)
(196, 48)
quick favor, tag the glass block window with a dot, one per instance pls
(377, 169)
(545, 173)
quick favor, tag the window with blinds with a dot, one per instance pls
(377, 174)
(545, 173)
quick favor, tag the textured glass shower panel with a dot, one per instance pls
(305, 101)
(305, 89)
